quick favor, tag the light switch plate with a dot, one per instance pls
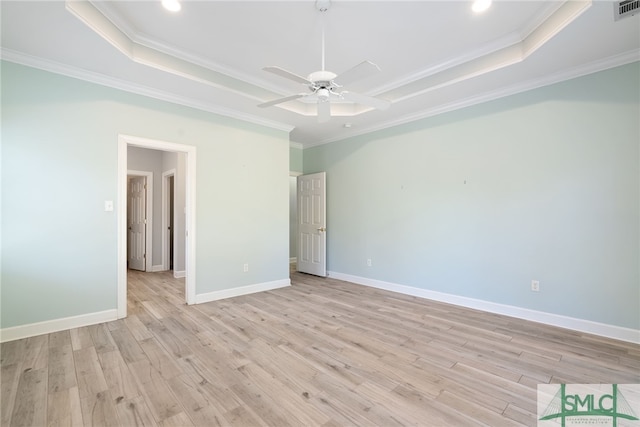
(108, 205)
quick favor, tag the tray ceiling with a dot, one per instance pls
(434, 56)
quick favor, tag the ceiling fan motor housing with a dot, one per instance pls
(322, 84)
(321, 76)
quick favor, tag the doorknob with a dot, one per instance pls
(322, 229)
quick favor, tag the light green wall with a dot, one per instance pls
(295, 159)
(478, 202)
(59, 165)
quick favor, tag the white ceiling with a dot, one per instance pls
(434, 56)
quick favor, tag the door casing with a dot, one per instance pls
(125, 141)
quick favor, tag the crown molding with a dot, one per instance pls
(297, 145)
(103, 80)
(593, 67)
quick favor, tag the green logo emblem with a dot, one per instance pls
(586, 404)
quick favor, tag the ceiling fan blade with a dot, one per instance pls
(281, 100)
(359, 72)
(377, 103)
(324, 111)
(287, 74)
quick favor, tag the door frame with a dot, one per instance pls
(320, 268)
(165, 217)
(125, 141)
(148, 261)
(294, 174)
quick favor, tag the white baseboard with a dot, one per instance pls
(156, 268)
(243, 290)
(293, 260)
(581, 325)
(49, 326)
(179, 274)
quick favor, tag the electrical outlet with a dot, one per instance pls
(535, 286)
(246, 267)
(368, 262)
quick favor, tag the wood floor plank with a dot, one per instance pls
(81, 338)
(169, 341)
(160, 358)
(12, 352)
(352, 405)
(10, 379)
(30, 407)
(129, 348)
(102, 340)
(178, 420)
(137, 328)
(216, 380)
(241, 416)
(162, 402)
(118, 377)
(36, 352)
(62, 374)
(264, 406)
(474, 411)
(58, 339)
(521, 416)
(196, 401)
(89, 373)
(99, 410)
(134, 412)
(288, 400)
(64, 408)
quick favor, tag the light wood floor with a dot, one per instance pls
(321, 352)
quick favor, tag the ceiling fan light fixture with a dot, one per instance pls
(172, 5)
(480, 6)
(323, 95)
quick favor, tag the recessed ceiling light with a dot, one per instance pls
(347, 125)
(480, 5)
(171, 5)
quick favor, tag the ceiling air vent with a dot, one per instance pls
(625, 8)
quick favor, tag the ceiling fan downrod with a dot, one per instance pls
(323, 6)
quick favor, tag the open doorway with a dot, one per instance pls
(182, 237)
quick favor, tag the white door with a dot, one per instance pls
(137, 223)
(312, 225)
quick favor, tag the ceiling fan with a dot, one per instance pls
(323, 88)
